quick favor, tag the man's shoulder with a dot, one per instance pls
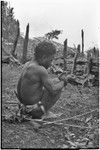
(42, 69)
(30, 65)
(33, 66)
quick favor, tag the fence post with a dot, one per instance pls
(82, 34)
(78, 48)
(75, 59)
(65, 54)
(16, 40)
(24, 56)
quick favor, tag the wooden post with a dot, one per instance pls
(74, 63)
(24, 57)
(78, 48)
(16, 40)
(89, 63)
(75, 59)
(65, 54)
(82, 34)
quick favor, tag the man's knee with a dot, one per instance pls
(48, 100)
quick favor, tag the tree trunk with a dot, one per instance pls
(16, 41)
(65, 54)
(24, 56)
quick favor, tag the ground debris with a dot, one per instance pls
(81, 130)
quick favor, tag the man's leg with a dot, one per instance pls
(47, 101)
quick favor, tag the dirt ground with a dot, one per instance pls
(79, 127)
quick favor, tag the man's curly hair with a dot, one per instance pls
(44, 48)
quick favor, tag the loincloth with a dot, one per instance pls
(32, 108)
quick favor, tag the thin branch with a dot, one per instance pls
(76, 126)
(56, 123)
(72, 117)
(15, 103)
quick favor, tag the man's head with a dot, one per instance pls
(44, 53)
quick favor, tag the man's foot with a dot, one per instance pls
(36, 113)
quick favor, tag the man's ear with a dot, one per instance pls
(44, 57)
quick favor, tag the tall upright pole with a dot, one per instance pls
(25, 45)
(16, 40)
(65, 54)
(82, 34)
(78, 48)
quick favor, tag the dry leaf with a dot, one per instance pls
(88, 119)
(53, 141)
(72, 143)
(64, 146)
(90, 145)
(81, 145)
(85, 139)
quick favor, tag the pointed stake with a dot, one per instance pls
(82, 34)
(65, 54)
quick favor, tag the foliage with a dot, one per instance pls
(93, 53)
(9, 24)
(53, 34)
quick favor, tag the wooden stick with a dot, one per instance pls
(72, 117)
(56, 123)
(76, 126)
(15, 103)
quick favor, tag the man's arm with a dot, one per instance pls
(48, 83)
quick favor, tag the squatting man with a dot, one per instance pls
(36, 90)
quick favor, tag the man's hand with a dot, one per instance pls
(66, 78)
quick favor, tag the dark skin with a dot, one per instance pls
(33, 78)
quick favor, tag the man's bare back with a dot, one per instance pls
(30, 86)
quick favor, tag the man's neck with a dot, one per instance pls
(37, 62)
